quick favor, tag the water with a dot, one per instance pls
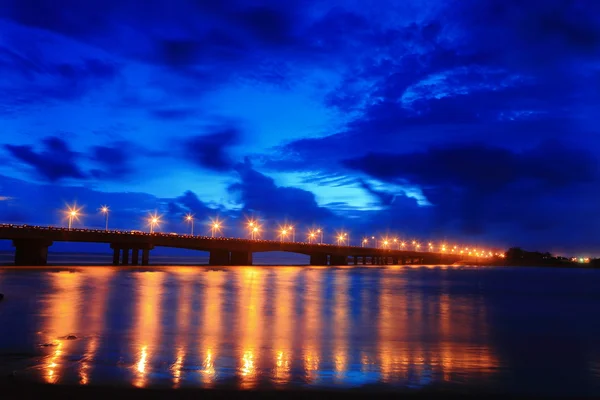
(495, 329)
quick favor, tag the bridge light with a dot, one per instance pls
(283, 234)
(104, 210)
(190, 218)
(73, 214)
(364, 242)
(154, 221)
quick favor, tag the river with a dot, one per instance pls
(492, 329)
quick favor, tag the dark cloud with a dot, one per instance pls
(115, 160)
(259, 194)
(211, 150)
(54, 163)
(482, 167)
(172, 113)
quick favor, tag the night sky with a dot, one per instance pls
(466, 121)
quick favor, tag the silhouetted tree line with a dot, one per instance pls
(518, 256)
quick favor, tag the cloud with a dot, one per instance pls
(211, 150)
(114, 160)
(481, 167)
(54, 163)
(259, 194)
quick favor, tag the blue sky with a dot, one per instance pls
(471, 121)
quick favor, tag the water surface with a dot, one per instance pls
(516, 330)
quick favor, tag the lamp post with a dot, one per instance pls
(364, 242)
(190, 218)
(214, 228)
(72, 214)
(283, 234)
(311, 236)
(154, 221)
(253, 228)
(104, 210)
(321, 232)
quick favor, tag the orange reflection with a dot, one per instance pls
(100, 283)
(147, 322)
(312, 323)
(407, 318)
(185, 277)
(62, 321)
(250, 314)
(340, 324)
(211, 323)
(284, 323)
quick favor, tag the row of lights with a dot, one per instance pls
(254, 229)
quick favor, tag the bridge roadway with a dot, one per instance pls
(31, 247)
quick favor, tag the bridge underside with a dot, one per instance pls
(35, 252)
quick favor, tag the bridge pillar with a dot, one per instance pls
(395, 260)
(338, 260)
(125, 256)
(355, 259)
(116, 253)
(145, 256)
(218, 257)
(241, 258)
(135, 256)
(318, 259)
(31, 251)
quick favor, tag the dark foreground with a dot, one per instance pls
(13, 390)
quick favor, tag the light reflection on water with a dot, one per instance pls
(251, 327)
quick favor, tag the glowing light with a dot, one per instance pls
(73, 214)
(215, 226)
(154, 221)
(190, 218)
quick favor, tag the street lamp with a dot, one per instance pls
(215, 227)
(190, 218)
(340, 238)
(73, 214)
(104, 210)
(364, 242)
(321, 232)
(311, 236)
(385, 243)
(291, 229)
(283, 234)
(154, 221)
(373, 237)
(252, 228)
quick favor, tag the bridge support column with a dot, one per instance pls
(116, 253)
(145, 256)
(31, 251)
(135, 256)
(318, 259)
(355, 259)
(125, 256)
(338, 260)
(218, 257)
(240, 258)
(395, 260)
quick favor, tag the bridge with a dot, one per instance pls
(31, 247)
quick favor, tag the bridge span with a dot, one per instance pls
(31, 247)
